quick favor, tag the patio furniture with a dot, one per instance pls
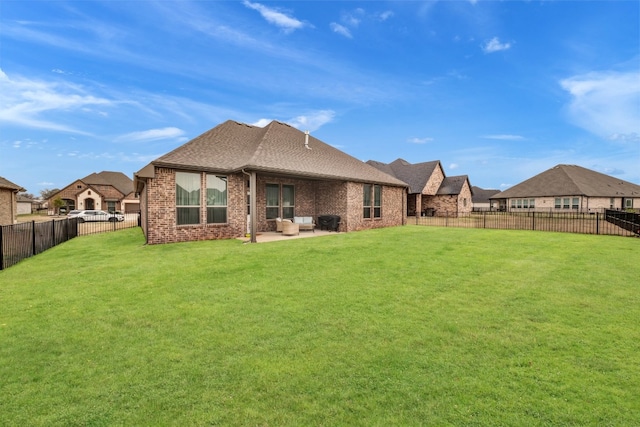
(329, 222)
(305, 223)
(279, 225)
(290, 228)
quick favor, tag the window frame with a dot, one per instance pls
(377, 201)
(189, 219)
(214, 206)
(366, 200)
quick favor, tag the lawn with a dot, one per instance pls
(398, 326)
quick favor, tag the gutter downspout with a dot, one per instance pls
(252, 204)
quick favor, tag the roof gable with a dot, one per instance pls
(415, 175)
(566, 180)
(277, 148)
(5, 183)
(453, 185)
(118, 180)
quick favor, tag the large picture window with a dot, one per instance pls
(377, 201)
(188, 198)
(273, 201)
(216, 199)
(366, 201)
(288, 201)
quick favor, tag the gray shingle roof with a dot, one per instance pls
(452, 185)
(415, 175)
(5, 183)
(482, 195)
(566, 180)
(276, 148)
(118, 180)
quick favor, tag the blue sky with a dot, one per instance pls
(498, 91)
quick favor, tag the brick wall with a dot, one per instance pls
(8, 207)
(159, 200)
(312, 198)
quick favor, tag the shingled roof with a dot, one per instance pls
(482, 195)
(118, 180)
(276, 148)
(415, 175)
(452, 185)
(565, 180)
(5, 183)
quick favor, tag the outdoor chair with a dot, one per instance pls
(290, 228)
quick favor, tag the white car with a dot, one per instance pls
(95, 215)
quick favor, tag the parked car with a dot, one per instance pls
(95, 215)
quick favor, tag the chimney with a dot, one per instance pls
(306, 140)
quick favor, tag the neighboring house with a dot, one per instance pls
(481, 199)
(237, 178)
(108, 191)
(25, 205)
(570, 188)
(8, 201)
(430, 191)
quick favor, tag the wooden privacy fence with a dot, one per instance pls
(24, 240)
(609, 222)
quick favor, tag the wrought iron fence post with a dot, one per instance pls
(533, 220)
(33, 238)
(597, 222)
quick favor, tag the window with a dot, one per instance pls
(111, 206)
(366, 201)
(525, 204)
(216, 199)
(188, 198)
(273, 201)
(288, 201)
(377, 201)
(558, 203)
(532, 203)
(628, 203)
(575, 202)
(565, 203)
(513, 203)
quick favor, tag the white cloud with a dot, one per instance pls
(340, 29)
(311, 121)
(504, 137)
(454, 166)
(419, 140)
(152, 135)
(24, 102)
(385, 15)
(606, 104)
(276, 17)
(494, 45)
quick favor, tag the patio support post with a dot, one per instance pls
(253, 191)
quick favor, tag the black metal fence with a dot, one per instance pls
(24, 240)
(609, 222)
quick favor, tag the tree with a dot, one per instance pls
(57, 204)
(47, 193)
(27, 195)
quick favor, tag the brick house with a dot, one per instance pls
(431, 192)
(236, 179)
(109, 191)
(570, 188)
(8, 201)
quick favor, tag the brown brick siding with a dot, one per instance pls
(8, 207)
(312, 198)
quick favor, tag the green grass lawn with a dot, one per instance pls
(398, 326)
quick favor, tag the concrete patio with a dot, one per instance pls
(273, 236)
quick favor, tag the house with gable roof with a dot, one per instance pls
(238, 178)
(8, 201)
(570, 188)
(430, 192)
(106, 190)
